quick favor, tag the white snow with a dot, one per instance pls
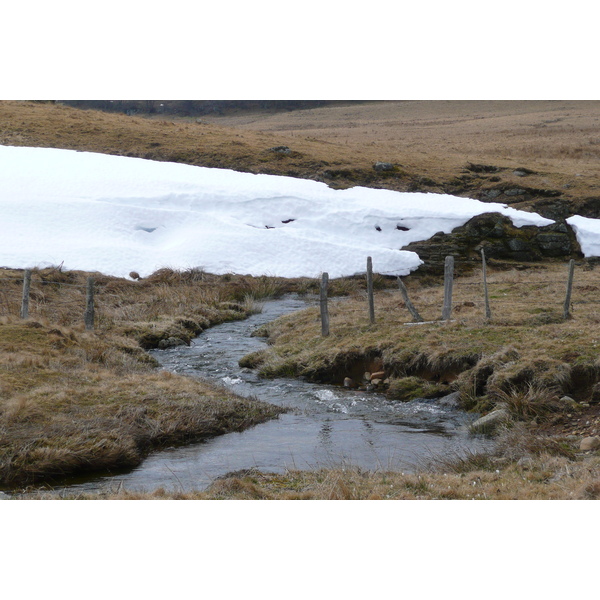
(587, 232)
(115, 215)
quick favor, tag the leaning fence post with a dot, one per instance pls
(488, 311)
(370, 290)
(25, 300)
(324, 310)
(88, 315)
(448, 281)
(566, 311)
(413, 311)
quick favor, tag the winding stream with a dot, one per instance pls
(326, 426)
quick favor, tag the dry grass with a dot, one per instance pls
(74, 401)
(431, 141)
(522, 467)
(559, 140)
(526, 357)
(169, 303)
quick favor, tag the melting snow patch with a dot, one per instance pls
(118, 214)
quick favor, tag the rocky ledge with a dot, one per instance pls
(500, 239)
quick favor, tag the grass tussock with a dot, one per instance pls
(535, 472)
(507, 361)
(74, 401)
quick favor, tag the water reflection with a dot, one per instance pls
(327, 426)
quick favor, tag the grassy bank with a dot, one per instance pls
(98, 401)
(522, 467)
(525, 359)
(75, 401)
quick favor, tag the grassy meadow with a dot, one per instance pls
(74, 401)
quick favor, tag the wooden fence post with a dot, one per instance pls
(370, 290)
(88, 315)
(488, 311)
(25, 300)
(324, 310)
(566, 311)
(448, 281)
(413, 311)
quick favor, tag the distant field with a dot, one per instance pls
(431, 143)
(558, 139)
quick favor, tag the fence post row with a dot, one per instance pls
(448, 282)
(88, 315)
(370, 290)
(25, 299)
(324, 309)
(488, 311)
(413, 311)
(566, 311)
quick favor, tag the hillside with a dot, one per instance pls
(539, 155)
(526, 359)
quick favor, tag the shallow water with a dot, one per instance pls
(327, 426)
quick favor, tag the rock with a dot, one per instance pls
(171, 342)
(595, 398)
(349, 383)
(383, 166)
(590, 443)
(280, 150)
(475, 168)
(514, 192)
(554, 244)
(378, 375)
(490, 422)
(451, 400)
(567, 402)
(523, 172)
(492, 193)
(501, 240)
(375, 381)
(367, 376)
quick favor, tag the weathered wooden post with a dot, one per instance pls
(566, 311)
(488, 311)
(324, 309)
(448, 282)
(413, 311)
(370, 290)
(88, 315)
(25, 299)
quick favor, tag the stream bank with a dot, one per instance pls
(324, 426)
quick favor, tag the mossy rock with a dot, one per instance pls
(411, 388)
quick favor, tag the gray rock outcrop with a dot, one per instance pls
(490, 422)
(590, 443)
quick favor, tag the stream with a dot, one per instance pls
(326, 426)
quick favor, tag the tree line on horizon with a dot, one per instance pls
(192, 108)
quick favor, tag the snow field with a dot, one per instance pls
(117, 214)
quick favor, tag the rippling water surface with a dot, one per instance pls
(327, 426)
